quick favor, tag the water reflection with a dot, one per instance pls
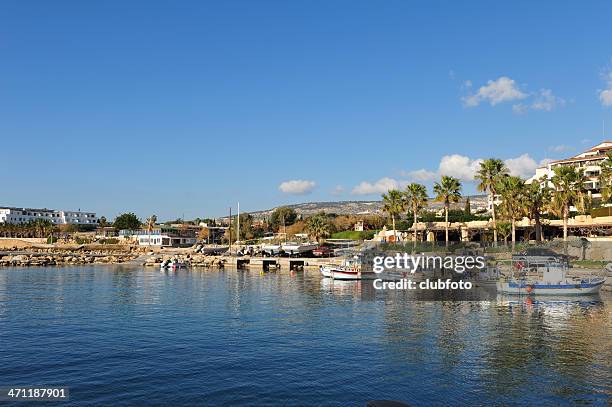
(303, 336)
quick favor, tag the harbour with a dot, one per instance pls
(241, 338)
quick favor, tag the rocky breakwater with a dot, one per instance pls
(55, 257)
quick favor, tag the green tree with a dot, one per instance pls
(103, 222)
(416, 196)
(127, 221)
(247, 230)
(468, 207)
(568, 183)
(605, 179)
(504, 229)
(42, 227)
(536, 199)
(447, 191)
(394, 204)
(318, 227)
(282, 216)
(489, 173)
(512, 205)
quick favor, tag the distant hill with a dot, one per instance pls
(362, 207)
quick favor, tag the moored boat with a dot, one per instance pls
(552, 281)
(350, 269)
(271, 249)
(172, 264)
(293, 249)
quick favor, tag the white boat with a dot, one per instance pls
(271, 249)
(553, 281)
(487, 277)
(173, 264)
(293, 249)
(349, 270)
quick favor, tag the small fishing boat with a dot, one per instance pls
(486, 277)
(172, 264)
(549, 279)
(350, 269)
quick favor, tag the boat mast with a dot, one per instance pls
(238, 224)
(230, 230)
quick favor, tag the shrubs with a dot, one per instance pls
(354, 235)
(111, 240)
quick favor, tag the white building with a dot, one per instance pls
(590, 161)
(24, 215)
(162, 237)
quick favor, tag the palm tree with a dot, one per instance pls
(150, 221)
(605, 179)
(447, 191)
(568, 183)
(511, 190)
(536, 198)
(318, 227)
(394, 204)
(491, 170)
(416, 196)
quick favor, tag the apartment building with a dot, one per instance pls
(59, 217)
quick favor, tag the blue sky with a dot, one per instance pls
(184, 108)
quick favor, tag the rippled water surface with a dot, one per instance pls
(128, 336)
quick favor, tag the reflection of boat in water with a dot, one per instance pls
(341, 286)
(549, 279)
(551, 301)
(350, 269)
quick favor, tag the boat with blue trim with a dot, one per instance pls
(549, 279)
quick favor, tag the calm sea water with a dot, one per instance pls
(125, 336)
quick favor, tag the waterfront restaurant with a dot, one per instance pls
(162, 237)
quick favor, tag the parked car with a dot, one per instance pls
(323, 251)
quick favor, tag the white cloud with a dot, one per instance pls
(379, 187)
(455, 165)
(523, 166)
(338, 190)
(546, 100)
(465, 168)
(420, 175)
(297, 187)
(459, 166)
(520, 108)
(505, 89)
(605, 95)
(500, 90)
